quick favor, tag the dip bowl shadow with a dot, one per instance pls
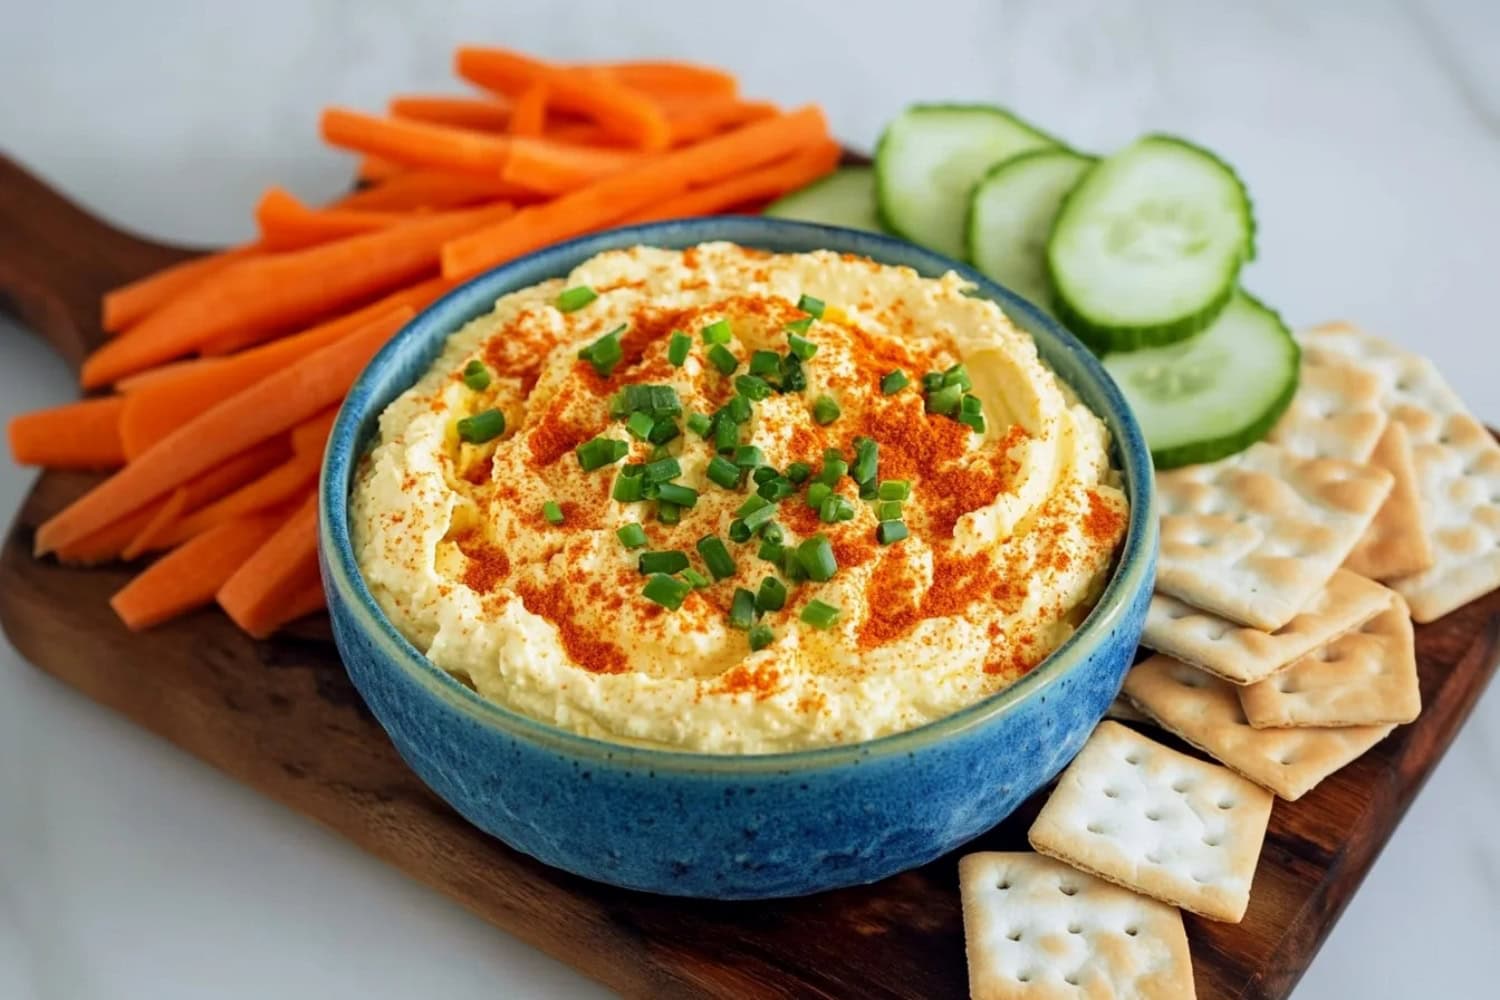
(718, 826)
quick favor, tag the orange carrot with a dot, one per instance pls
(285, 482)
(530, 114)
(595, 95)
(663, 79)
(81, 435)
(482, 114)
(554, 168)
(153, 530)
(288, 224)
(106, 543)
(162, 374)
(755, 186)
(633, 190)
(130, 303)
(189, 576)
(275, 404)
(418, 144)
(373, 169)
(308, 599)
(257, 596)
(277, 291)
(432, 189)
(695, 120)
(579, 133)
(310, 437)
(153, 413)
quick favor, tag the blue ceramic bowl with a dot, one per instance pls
(731, 827)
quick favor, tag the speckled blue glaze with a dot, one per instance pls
(743, 827)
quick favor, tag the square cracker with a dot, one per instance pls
(1366, 678)
(1396, 543)
(1246, 655)
(1255, 536)
(1457, 464)
(1036, 929)
(1336, 412)
(1206, 712)
(1171, 826)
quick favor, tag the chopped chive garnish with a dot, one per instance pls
(791, 568)
(722, 472)
(958, 375)
(888, 510)
(482, 427)
(666, 591)
(836, 508)
(716, 557)
(726, 433)
(801, 347)
(764, 473)
(553, 512)
(717, 332)
(700, 424)
(631, 535)
(816, 557)
(664, 430)
(970, 404)
(747, 456)
(974, 420)
(629, 486)
(654, 400)
(793, 378)
(811, 306)
(772, 533)
(753, 387)
(640, 424)
(867, 490)
(605, 352)
(866, 460)
(825, 410)
(723, 359)
(742, 609)
(669, 561)
(800, 325)
(682, 496)
(834, 469)
(820, 615)
(890, 531)
(770, 551)
(678, 347)
(771, 596)
(576, 297)
(599, 452)
(661, 451)
(765, 363)
(776, 489)
(661, 470)
(738, 409)
(932, 381)
(945, 401)
(476, 375)
(757, 519)
(668, 512)
(751, 505)
(817, 493)
(739, 531)
(697, 579)
(895, 489)
(893, 382)
(761, 636)
(798, 472)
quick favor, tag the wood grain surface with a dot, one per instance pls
(282, 717)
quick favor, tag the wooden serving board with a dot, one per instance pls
(282, 717)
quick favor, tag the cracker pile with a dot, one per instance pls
(1289, 578)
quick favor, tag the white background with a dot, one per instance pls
(1369, 134)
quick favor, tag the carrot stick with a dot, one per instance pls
(529, 116)
(154, 413)
(482, 114)
(373, 169)
(695, 120)
(755, 186)
(555, 168)
(167, 514)
(310, 437)
(579, 133)
(162, 374)
(433, 189)
(130, 303)
(109, 541)
(309, 599)
(285, 482)
(288, 224)
(418, 144)
(257, 596)
(81, 435)
(595, 95)
(633, 190)
(190, 575)
(275, 404)
(276, 291)
(662, 79)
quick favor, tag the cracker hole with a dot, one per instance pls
(1285, 686)
(1014, 936)
(1132, 931)
(1075, 928)
(1288, 757)
(1200, 879)
(1095, 828)
(1212, 841)
(1071, 980)
(1153, 858)
(1003, 884)
(1024, 977)
(1133, 759)
(1181, 785)
(1226, 803)
(1068, 890)
(1189, 680)
(1111, 793)
(1154, 816)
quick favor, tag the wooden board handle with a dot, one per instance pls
(56, 260)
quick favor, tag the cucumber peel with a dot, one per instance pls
(845, 197)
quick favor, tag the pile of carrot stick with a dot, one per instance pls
(212, 398)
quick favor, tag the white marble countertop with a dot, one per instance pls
(1369, 134)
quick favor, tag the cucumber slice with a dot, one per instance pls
(845, 197)
(1214, 394)
(930, 157)
(1147, 248)
(1010, 217)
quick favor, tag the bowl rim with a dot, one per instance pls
(1134, 568)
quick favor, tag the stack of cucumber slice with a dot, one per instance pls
(1139, 253)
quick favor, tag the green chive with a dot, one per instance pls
(958, 375)
(661, 470)
(761, 636)
(811, 306)
(791, 568)
(726, 433)
(866, 460)
(668, 512)
(655, 400)
(776, 489)
(764, 474)
(895, 489)
(678, 347)
(893, 382)
(970, 404)
(817, 559)
(669, 561)
(753, 387)
(476, 375)
(631, 535)
(742, 609)
(482, 427)
(945, 401)
(699, 424)
(697, 579)
(825, 410)
(932, 381)
(717, 332)
(629, 486)
(765, 363)
(834, 469)
(974, 420)
(770, 551)
(605, 352)
(723, 359)
(738, 409)
(888, 510)
(772, 533)
(751, 505)
(867, 490)
(771, 596)
(800, 325)
(667, 591)
(747, 456)
(739, 531)
(890, 531)
(599, 452)
(664, 430)
(820, 615)
(836, 508)
(757, 519)
(722, 472)
(553, 512)
(817, 493)
(682, 496)
(716, 557)
(801, 347)
(793, 378)
(639, 425)
(574, 298)
(798, 472)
